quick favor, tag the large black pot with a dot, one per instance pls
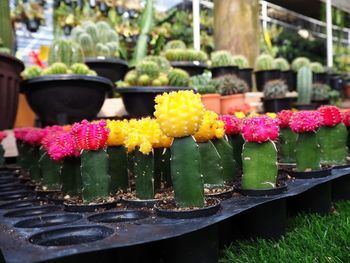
(139, 101)
(113, 69)
(319, 78)
(10, 69)
(62, 99)
(246, 75)
(221, 71)
(277, 105)
(311, 106)
(289, 77)
(263, 76)
(192, 68)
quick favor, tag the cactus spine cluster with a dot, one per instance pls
(65, 51)
(320, 92)
(317, 67)
(175, 44)
(230, 85)
(222, 58)
(281, 64)
(304, 85)
(300, 62)
(186, 55)
(275, 89)
(264, 62)
(178, 77)
(240, 61)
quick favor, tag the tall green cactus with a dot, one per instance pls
(65, 51)
(304, 85)
(227, 159)
(307, 152)
(118, 168)
(144, 170)
(333, 143)
(6, 33)
(211, 168)
(185, 172)
(71, 177)
(94, 174)
(287, 143)
(34, 169)
(50, 171)
(259, 165)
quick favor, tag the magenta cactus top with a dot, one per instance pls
(34, 136)
(90, 136)
(284, 117)
(3, 135)
(346, 118)
(305, 121)
(233, 125)
(331, 115)
(20, 133)
(63, 145)
(260, 129)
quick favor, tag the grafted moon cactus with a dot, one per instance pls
(3, 135)
(287, 138)
(259, 154)
(346, 121)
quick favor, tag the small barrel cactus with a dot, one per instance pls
(175, 44)
(259, 155)
(80, 68)
(300, 62)
(287, 138)
(332, 136)
(240, 61)
(275, 89)
(221, 58)
(178, 77)
(148, 68)
(31, 72)
(202, 83)
(58, 68)
(320, 92)
(264, 62)
(307, 148)
(304, 85)
(163, 63)
(185, 55)
(317, 67)
(281, 64)
(230, 85)
(66, 52)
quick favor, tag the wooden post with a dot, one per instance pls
(237, 27)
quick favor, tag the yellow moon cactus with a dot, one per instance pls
(179, 114)
(118, 132)
(211, 128)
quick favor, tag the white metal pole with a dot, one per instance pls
(196, 25)
(264, 15)
(329, 33)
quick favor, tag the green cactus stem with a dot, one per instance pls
(228, 162)
(6, 27)
(25, 156)
(185, 172)
(237, 141)
(287, 142)
(211, 168)
(304, 85)
(118, 168)
(144, 169)
(50, 171)
(71, 177)
(158, 152)
(2, 155)
(348, 140)
(34, 169)
(94, 174)
(333, 141)
(307, 152)
(259, 165)
(19, 145)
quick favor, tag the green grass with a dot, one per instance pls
(309, 238)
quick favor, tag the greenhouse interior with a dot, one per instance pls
(175, 131)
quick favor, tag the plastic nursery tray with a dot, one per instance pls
(28, 228)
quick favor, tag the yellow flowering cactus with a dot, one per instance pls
(179, 114)
(240, 114)
(211, 128)
(118, 132)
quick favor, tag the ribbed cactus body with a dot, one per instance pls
(259, 165)
(287, 142)
(175, 44)
(26, 158)
(34, 169)
(320, 91)
(86, 44)
(264, 62)
(118, 168)
(317, 67)
(94, 174)
(144, 170)
(148, 68)
(237, 141)
(222, 58)
(31, 72)
(2, 155)
(228, 162)
(162, 168)
(281, 64)
(307, 152)
(240, 61)
(6, 27)
(71, 176)
(210, 164)
(185, 172)
(304, 85)
(79, 68)
(333, 143)
(300, 62)
(66, 52)
(50, 171)
(178, 77)
(275, 89)
(58, 68)
(102, 50)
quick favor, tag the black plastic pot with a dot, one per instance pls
(341, 186)
(10, 69)
(139, 101)
(138, 203)
(62, 99)
(246, 74)
(192, 68)
(263, 76)
(118, 216)
(223, 195)
(320, 102)
(289, 77)
(311, 106)
(277, 105)
(221, 71)
(33, 25)
(262, 192)
(82, 208)
(46, 221)
(311, 174)
(113, 69)
(319, 78)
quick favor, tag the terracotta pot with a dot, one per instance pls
(347, 90)
(231, 101)
(211, 102)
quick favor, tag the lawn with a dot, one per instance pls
(309, 238)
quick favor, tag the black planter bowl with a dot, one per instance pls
(221, 71)
(320, 102)
(289, 77)
(263, 76)
(282, 187)
(139, 101)
(82, 208)
(319, 78)
(140, 203)
(192, 68)
(246, 74)
(113, 69)
(311, 106)
(62, 99)
(277, 105)
(311, 174)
